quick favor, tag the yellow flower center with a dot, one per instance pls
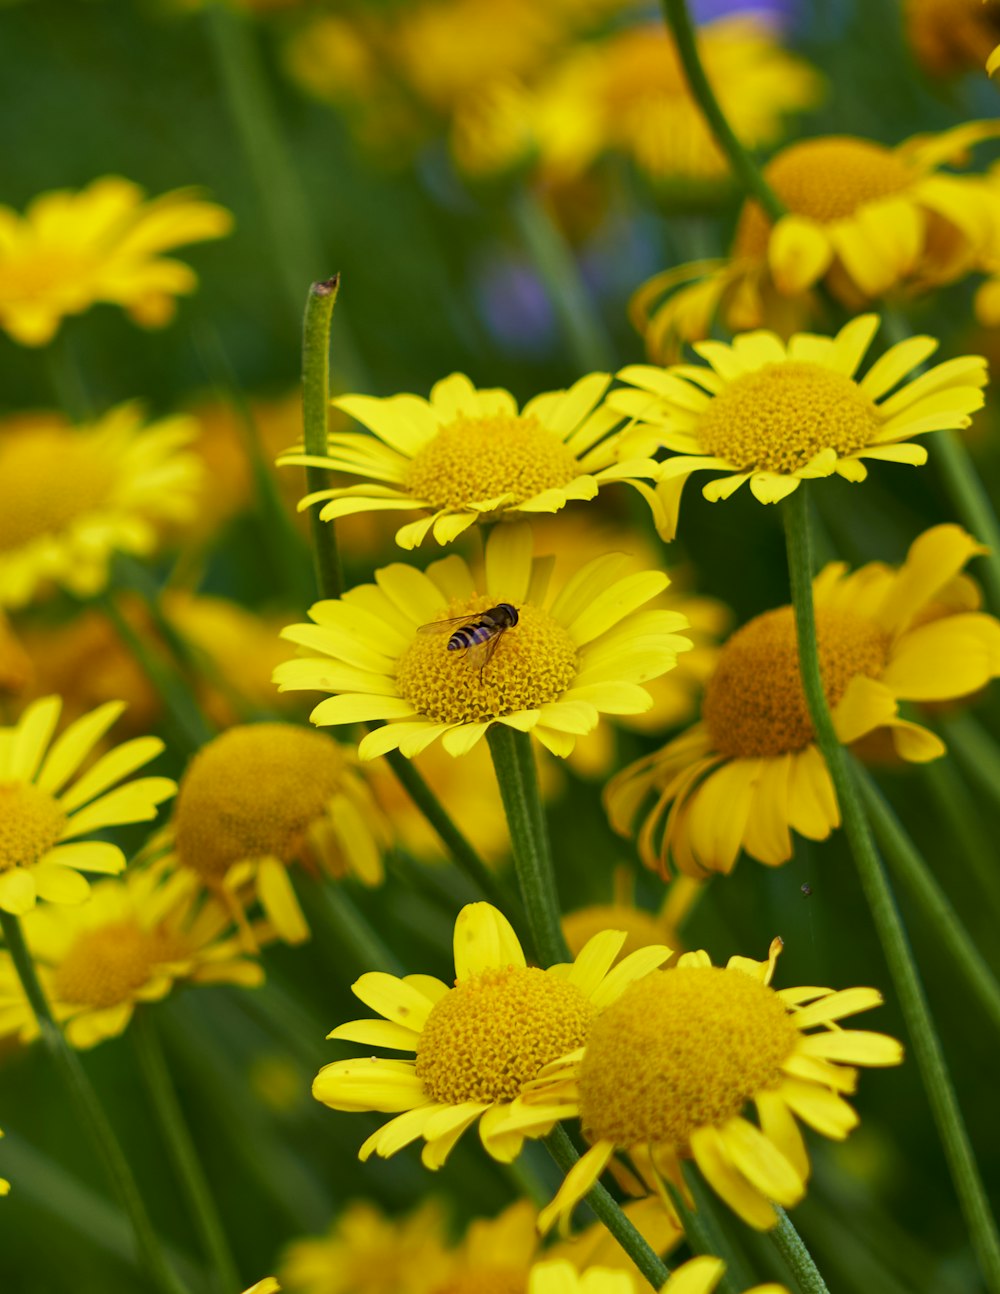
(533, 664)
(486, 1280)
(106, 966)
(754, 705)
(30, 824)
(780, 417)
(681, 1049)
(254, 792)
(477, 458)
(825, 179)
(48, 478)
(493, 1032)
(641, 928)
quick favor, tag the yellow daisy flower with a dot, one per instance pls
(70, 251)
(863, 218)
(750, 772)
(267, 1286)
(668, 1069)
(699, 1276)
(45, 808)
(641, 926)
(262, 796)
(477, 1044)
(467, 455)
(71, 497)
(134, 939)
(775, 414)
(553, 673)
(949, 37)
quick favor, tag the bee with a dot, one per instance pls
(476, 636)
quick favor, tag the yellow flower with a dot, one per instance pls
(949, 37)
(260, 797)
(775, 414)
(699, 1276)
(467, 455)
(553, 673)
(750, 772)
(134, 939)
(863, 218)
(642, 928)
(44, 811)
(72, 250)
(669, 1067)
(70, 498)
(476, 1044)
(267, 1286)
(628, 93)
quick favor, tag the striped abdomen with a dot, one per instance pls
(470, 635)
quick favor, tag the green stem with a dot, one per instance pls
(349, 930)
(789, 1244)
(517, 778)
(67, 1062)
(977, 753)
(706, 1234)
(602, 1202)
(315, 407)
(961, 812)
(888, 923)
(908, 865)
(557, 267)
(180, 1147)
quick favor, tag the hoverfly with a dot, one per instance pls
(477, 636)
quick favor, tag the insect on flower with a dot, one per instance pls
(477, 635)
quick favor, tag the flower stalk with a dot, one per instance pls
(315, 405)
(789, 1244)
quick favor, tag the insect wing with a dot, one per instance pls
(447, 626)
(479, 655)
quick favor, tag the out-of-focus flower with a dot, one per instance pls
(949, 37)
(750, 772)
(776, 414)
(642, 927)
(260, 797)
(45, 808)
(70, 251)
(669, 1067)
(699, 1276)
(477, 1044)
(553, 672)
(864, 219)
(130, 943)
(17, 669)
(267, 1286)
(71, 497)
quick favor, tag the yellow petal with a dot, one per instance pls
(484, 940)
(798, 253)
(395, 999)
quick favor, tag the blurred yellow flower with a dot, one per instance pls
(553, 673)
(642, 927)
(750, 772)
(17, 668)
(669, 1067)
(267, 1286)
(70, 251)
(699, 1276)
(134, 939)
(862, 218)
(71, 497)
(44, 811)
(478, 1043)
(776, 414)
(949, 37)
(4, 1184)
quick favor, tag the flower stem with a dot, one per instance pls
(350, 931)
(67, 1062)
(911, 868)
(315, 405)
(888, 923)
(517, 778)
(789, 1244)
(706, 1234)
(180, 1146)
(602, 1202)
(961, 812)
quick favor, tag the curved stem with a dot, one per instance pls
(888, 923)
(67, 1062)
(789, 1244)
(315, 405)
(971, 501)
(707, 1235)
(514, 763)
(180, 1147)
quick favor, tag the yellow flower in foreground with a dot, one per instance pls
(467, 455)
(260, 797)
(477, 1044)
(552, 674)
(71, 497)
(44, 811)
(670, 1066)
(863, 218)
(775, 414)
(750, 772)
(699, 1276)
(131, 942)
(70, 251)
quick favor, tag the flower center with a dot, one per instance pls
(780, 417)
(492, 1033)
(30, 824)
(825, 179)
(754, 705)
(105, 966)
(51, 476)
(681, 1049)
(487, 1280)
(533, 664)
(254, 792)
(477, 458)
